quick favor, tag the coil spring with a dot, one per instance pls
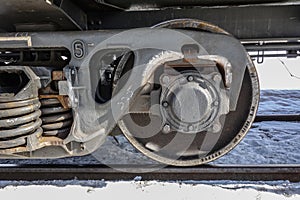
(56, 120)
(19, 119)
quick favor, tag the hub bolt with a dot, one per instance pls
(165, 104)
(165, 79)
(190, 78)
(166, 128)
(216, 103)
(217, 78)
(190, 128)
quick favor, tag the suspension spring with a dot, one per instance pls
(18, 120)
(20, 123)
(56, 119)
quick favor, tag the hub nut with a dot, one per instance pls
(166, 128)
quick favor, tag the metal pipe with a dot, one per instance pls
(285, 46)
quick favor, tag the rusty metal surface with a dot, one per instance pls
(36, 142)
(19, 144)
(53, 99)
(57, 117)
(190, 24)
(57, 75)
(21, 127)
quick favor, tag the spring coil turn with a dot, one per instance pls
(56, 120)
(19, 119)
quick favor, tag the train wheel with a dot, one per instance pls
(191, 125)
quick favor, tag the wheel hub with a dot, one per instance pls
(190, 103)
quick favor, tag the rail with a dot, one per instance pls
(151, 172)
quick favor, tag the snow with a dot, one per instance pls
(155, 190)
(270, 142)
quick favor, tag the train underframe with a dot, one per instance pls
(183, 91)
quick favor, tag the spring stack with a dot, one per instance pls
(56, 118)
(19, 107)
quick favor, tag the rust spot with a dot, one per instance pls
(64, 100)
(58, 75)
(190, 24)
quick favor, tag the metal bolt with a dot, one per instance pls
(166, 128)
(217, 78)
(82, 147)
(190, 78)
(165, 104)
(165, 79)
(216, 103)
(190, 128)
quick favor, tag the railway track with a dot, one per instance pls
(154, 172)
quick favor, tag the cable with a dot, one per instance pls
(287, 69)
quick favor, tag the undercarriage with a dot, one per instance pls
(183, 90)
